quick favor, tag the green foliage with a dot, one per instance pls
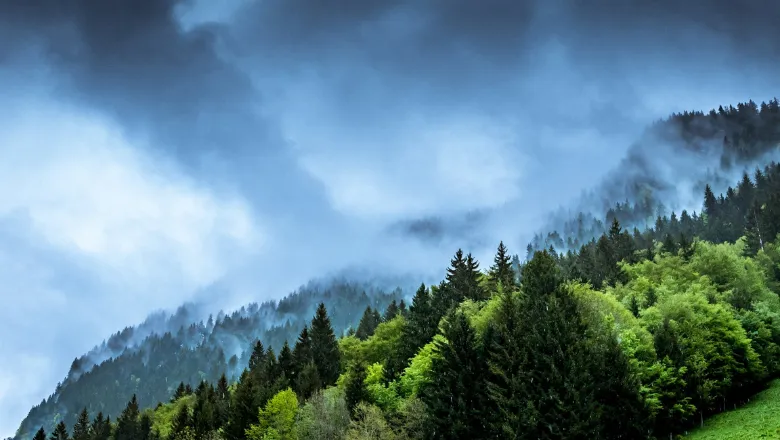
(277, 419)
(324, 416)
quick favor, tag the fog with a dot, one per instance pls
(150, 149)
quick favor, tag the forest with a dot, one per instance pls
(633, 333)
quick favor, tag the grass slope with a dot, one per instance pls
(759, 419)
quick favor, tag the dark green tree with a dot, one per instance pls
(179, 393)
(181, 421)
(82, 429)
(368, 324)
(127, 422)
(325, 347)
(392, 311)
(40, 435)
(355, 389)
(101, 427)
(502, 271)
(286, 362)
(420, 328)
(456, 396)
(308, 381)
(60, 432)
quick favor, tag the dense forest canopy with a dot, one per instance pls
(637, 323)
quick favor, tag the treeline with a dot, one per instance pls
(636, 336)
(150, 360)
(742, 135)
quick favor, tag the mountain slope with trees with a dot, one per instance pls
(632, 332)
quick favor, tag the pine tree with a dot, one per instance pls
(670, 245)
(402, 310)
(547, 378)
(127, 422)
(368, 324)
(145, 427)
(60, 432)
(420, 328)
(258, 355)
(82, 429)
(502, 271)
(243, 408)
(302, 353)
(179, 393)
(392, 311)
(325, 347)
(286, 363)
(355, 389)
(101, 427)
(40, 435)
(308, 381)
(456, 396)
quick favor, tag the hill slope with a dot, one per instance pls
(758, 419)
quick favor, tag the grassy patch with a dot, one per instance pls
(759, 419)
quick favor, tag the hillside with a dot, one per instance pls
(682, 307)
(757, 419)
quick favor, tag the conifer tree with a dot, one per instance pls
(392, 311)
(286, 363)
(145, 427)
(368, 324)
(502, 271)
(82, 429)
(181, 421)
(101, 427)
(257, 357)
(308, 381)
(127, 422)
(60, 432)
(40, 435)
(355, 389)
(402, 310)
(325, 348)
(179, 393)
(243, 407)
(302, 352)
(420, 328)
(456, 396)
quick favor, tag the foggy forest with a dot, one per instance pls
(389, 220)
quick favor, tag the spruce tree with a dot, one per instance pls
(181, 421)
(40, 435)
(302, 352)
(355, 389)
(145, 427)
(243, 408)
(60, 432)
(101, 427)
(368, 324)
(548, 378)
(179, 393)
(82, 429)
(456, 396)
(325, 347)
(502, 271)
(402, 310)
(127, 422)
(286, 363)
(392, 311)
(258, 355)
(420, 328)
(308, 381)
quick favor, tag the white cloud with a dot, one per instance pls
(99, 232)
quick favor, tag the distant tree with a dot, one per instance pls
(392, 311)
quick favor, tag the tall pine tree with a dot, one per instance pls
(325, 347)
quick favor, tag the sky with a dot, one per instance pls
(152, 148)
